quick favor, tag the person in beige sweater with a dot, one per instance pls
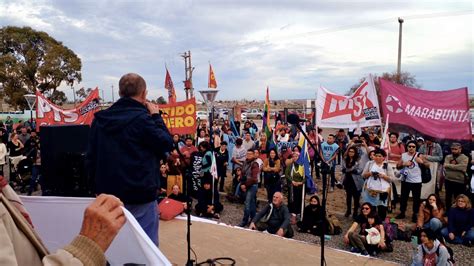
(20, 245)
(455, 165)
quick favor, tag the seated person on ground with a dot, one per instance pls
(460, 222)
(371, 240)
(431, 213)
(275, 218)
(312, 217)
(208, 206)
(177, 195)
(361, 220)
(430, 251)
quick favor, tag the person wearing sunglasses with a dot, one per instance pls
(354, 238)
(411, 180)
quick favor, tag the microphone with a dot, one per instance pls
(294, 119)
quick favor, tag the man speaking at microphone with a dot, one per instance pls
(126, 142)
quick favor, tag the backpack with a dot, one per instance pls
(334, 226)
(450, 251)
(425, 173)
(391, 231)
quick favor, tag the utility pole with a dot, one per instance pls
(113, 99)
(188, 75)
(74, 95)
(400, 21)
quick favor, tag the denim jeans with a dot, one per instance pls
(250, 208)
(434, 224)
(468, 236)
(35, 173)
(147, 216)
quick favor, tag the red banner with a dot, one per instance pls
(440, 114)
(48, 113)
(180, 117)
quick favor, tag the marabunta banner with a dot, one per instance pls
(439, 114)
(180, 117)
(48, 114)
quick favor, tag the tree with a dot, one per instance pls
(31, 60)
(83, 93)
(161, 100)
(405, 78)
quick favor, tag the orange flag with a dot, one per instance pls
(212, 79)
(170, 87)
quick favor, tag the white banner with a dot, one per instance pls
(58, 220)
(361, 109)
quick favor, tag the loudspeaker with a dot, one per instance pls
(63, 152)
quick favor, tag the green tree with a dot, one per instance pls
(31, 60)
(83, 93)
(161, 100)
(405, 78)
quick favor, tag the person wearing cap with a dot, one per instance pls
(411, 180)
(208, 206)
(419, 142)
(455, 165)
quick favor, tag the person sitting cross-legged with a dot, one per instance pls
(274, 218)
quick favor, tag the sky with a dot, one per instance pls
(292, 46)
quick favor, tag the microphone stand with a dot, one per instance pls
(323, 204)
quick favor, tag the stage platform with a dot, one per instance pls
(247, 247)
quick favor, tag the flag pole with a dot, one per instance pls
(302, 198)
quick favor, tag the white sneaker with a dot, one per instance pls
(331, 189)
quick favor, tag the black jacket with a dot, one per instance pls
(125, 146)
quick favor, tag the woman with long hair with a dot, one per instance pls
(313, 217)
(271, 174)
(430, 214)
(354, 238)
(352, 179)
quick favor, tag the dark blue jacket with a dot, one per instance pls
(125, 146)
(460, 220)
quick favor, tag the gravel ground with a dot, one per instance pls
(403, 251)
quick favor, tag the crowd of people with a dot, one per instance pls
(368, 176)
(20, 148)
(197, 167)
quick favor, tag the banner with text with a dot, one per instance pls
(439, 114)
(180, 117)
(358, 110)
(48, 114)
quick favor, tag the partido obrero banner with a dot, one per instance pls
(180, 117)
(361, 109)
(48, 113)
(440, 114)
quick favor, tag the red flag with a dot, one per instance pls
(170, 87)
(212, 79)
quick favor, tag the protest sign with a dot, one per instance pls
(180, 117)
(48, 114)
(440, 114)
(360, 109)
